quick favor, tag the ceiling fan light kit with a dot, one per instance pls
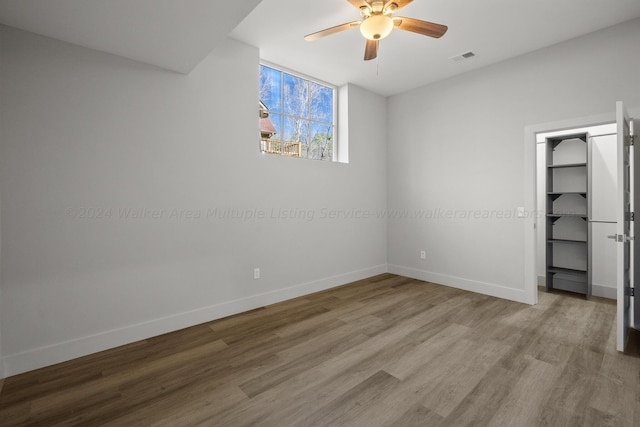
(377, 23)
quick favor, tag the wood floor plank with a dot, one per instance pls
(524, 405)
(326, 381)
(617, 389)
(109, 385)
(409, 362)
(462, 378)
(267, 324)
(301, 364)
(543, 336)
(598, 327)
(595, 418)
(186, 408)
(262, 314)
(482, 403)
(570, 394)
(303, 326)
(15, 415)
(417, 416)
(324, 342)
(388, 350)
(354, 404)
(418, 386)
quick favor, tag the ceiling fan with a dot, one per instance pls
(377, 23)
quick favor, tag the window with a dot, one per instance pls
(297, 115)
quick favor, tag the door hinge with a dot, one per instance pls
(630, 216)
(631, 141)
(630, 292)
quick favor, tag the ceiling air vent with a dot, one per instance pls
(463, 56)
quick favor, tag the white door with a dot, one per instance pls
(623, 229)
(603, 197)
(635, 204)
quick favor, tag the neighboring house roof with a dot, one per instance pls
(267, 129)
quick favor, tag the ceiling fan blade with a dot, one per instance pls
(421, 27)
(358, 3)
(401, 3)
(327, 32)
(371, 50)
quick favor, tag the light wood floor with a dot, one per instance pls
(382, 351)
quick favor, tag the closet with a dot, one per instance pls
(568, 244)
(577, 199)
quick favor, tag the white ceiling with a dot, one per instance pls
(178, 34)
(494, 29)
(172, 34)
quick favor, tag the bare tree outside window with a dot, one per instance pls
(296, 115)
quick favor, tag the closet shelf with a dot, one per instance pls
(567, 165)
(560, 193)
(567, 271)
(568, 242)
(560, 215)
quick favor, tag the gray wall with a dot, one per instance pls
(85, 132)
(456, 155)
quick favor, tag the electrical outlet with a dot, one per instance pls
(256, 273)
(423, 255)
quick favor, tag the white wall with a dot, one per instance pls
(83, 129)
(456, 148)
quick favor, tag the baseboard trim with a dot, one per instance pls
(518, 295)
(604, 291)
(18, 363)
